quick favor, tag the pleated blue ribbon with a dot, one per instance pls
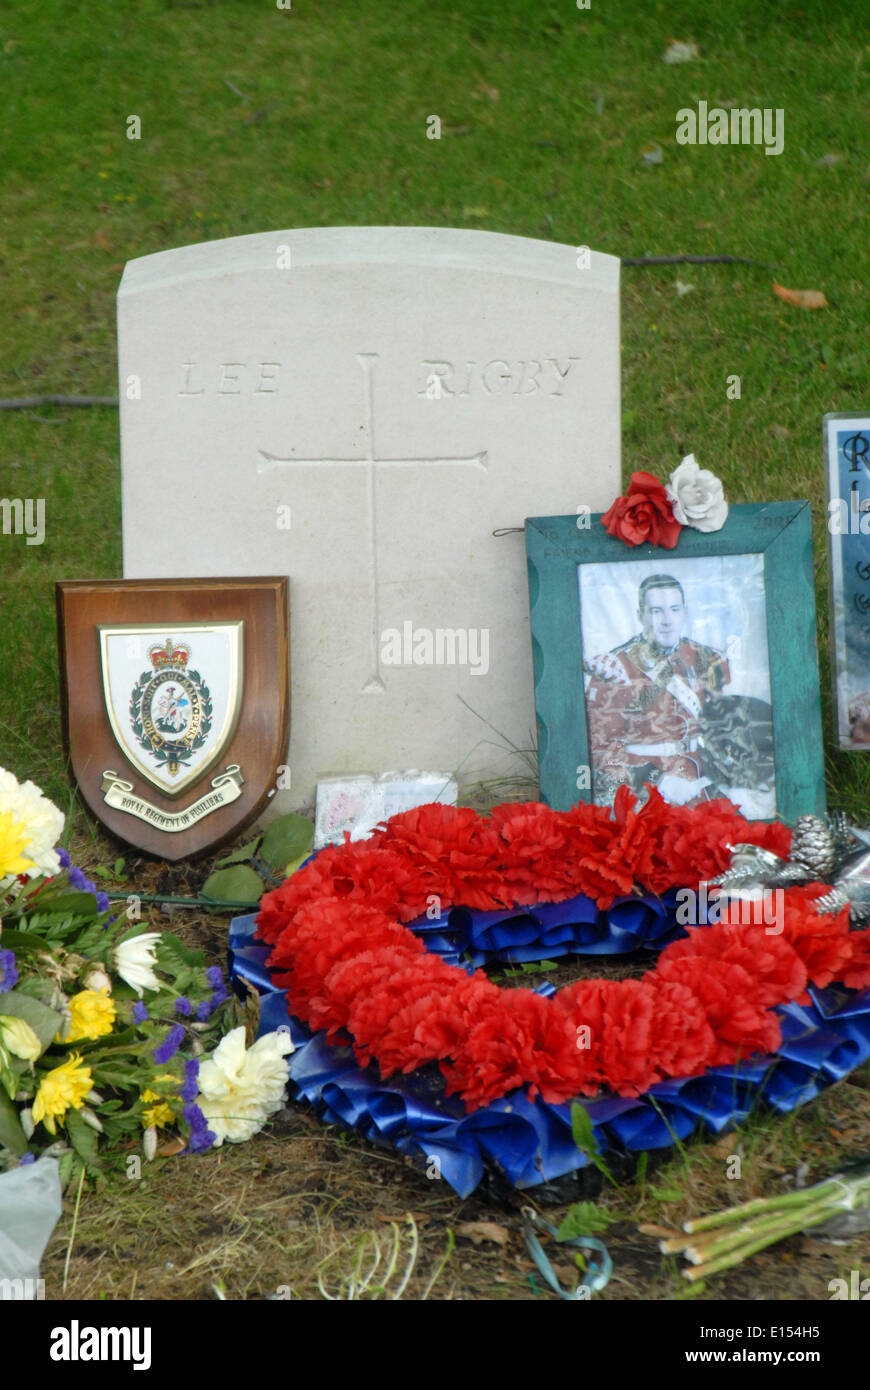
(529, 1142)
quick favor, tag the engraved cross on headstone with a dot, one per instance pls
(370, 461)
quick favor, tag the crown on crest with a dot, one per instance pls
(168, 655)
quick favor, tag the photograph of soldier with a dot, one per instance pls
(662, 707)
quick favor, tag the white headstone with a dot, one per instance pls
(360, 408)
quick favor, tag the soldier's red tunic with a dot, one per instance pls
(642, 706)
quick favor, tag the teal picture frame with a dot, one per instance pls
(557, 546)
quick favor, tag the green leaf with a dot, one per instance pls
(240, 856)
(83, 1139)
(8, 1080)
(182, 953)
(101, 871)
(295, 864)
(22, 941)
(44, 1021)
(238, 884)
(12, 1136)
(667, 1194)
(72, 905)
(583, 1219)
(89, 938)
(66, 1163)
(534, 967)
(109, 1042)
(583, 1134)
(118, 867)
(583, 1130)
(287, 838)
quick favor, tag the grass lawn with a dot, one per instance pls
(256, 118)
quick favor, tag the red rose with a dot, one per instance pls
(644, 515)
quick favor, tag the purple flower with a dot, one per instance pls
(8, 970)
(170, 1045)
(64, 858)
(201, 1137)
(79, 880)
(140, 1013)
(182, 1005)
(102, 902)
(27, 1158)
(191, 1072)
(216, 980)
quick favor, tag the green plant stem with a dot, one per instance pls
(209, 903)
(785, 1223)
(72, 1234)
(805, 1197)
(735, 1257)
(451, 1241)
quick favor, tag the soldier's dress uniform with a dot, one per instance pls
(642, 707)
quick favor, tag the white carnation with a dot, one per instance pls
(240, 1088)
(27, 806)
(697, 496)
(135, 959)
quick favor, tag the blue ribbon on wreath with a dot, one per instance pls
(530, 1142)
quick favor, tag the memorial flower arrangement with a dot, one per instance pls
(351, 967)
(109, 1032)
(654, 514)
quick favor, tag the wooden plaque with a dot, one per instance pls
(175, 698)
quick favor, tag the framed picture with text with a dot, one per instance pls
(692, 669)
(847, 456)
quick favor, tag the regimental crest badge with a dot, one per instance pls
(172, 719)
(190, 703)
(170, 708)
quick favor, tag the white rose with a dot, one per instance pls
(40, 818)
(134, 961)
(240, 1088)
(697, 496)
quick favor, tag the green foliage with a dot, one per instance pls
(241, 877)
(239, 884)
(534, 967)
(172, 945)
(240, 856)
(44, 1021)
(12, 1136)
(583, 1134)
(288, 839)
(584, 1219)
(84, 1140)
(642, 1165)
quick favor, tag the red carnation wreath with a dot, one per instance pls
(350, 966)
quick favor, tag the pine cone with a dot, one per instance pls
(812, 844)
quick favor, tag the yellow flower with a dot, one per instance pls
(19, 1038)
(157, 1116)
(13, 838)
(93, 1014)
(60, 1088)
